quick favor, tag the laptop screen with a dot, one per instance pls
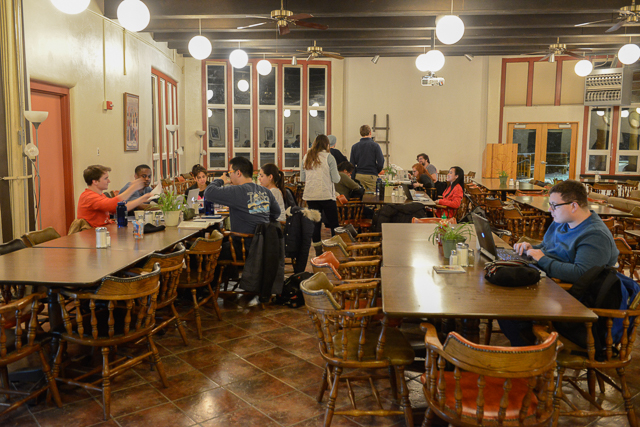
(484, 236)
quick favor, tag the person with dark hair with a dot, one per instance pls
(319, 173)
(367, 157)
(201, 183)
(453, 194)
(337, 154)
(575, 242)
(346, 185)
(141, 172)
(272, 178)
(94, 206)
(423, 159)
(422, 177)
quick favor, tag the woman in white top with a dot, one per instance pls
(272, 178)
(320, 173)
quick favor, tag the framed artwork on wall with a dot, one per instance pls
(236, 134)
(288, 129)
(269, 134)
(214, 133)
(131, 122)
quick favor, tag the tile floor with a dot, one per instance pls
(254, 368)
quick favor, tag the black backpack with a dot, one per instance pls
(291, 294)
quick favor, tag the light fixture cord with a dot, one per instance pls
(200, 25)
(452, 7)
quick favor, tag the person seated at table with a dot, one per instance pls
(423, 179)
(346, 185)
(453, 194)
(272, 178)
(94, 206)
(144, 172)
(201, 184)
(423, 159)
(576, 241)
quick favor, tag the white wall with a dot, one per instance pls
(450, 123)
(67, 50)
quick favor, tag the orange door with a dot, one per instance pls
(56, 186)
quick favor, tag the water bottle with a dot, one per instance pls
(121, 214)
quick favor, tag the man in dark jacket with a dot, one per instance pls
(366, 156)
(337, 154)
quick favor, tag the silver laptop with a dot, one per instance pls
(488, 246)
(412, 195)
(192, 198)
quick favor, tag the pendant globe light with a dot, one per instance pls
(629, 53)
(264, 67)
(238, 58)
(449, 29)
(583, 68)
(133, 15)
(200, 46)
(430, 61)
(72, 7)
(243, 85)
(287, 113)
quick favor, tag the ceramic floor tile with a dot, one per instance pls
(225, 332)
(284, 335)
(160, 415)
(273, 358)
(299, 375)
(173, 365)
(246, 346)
(291, 317)
(230, 370)
(243, 417)
(259, 388)
(210, 404)
(336, 421)
(135, 399)
(24, 420)
(290, 408)
(204, 356)
(185, 384)
(260, 325)
(77, 414)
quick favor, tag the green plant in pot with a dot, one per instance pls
(171, 205)
(503, 176)
(450, 235)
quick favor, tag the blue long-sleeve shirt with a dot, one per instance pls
(570, 252)
(366, 156)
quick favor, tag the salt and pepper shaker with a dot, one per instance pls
(453, 258)
(472, 258)
(101, 237)
(463, 254)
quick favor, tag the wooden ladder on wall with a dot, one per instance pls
(386, 141)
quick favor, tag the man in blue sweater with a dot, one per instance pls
(366, 156)
(576, 241)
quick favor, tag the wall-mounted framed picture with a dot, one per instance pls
(269, 134)
(214, 133)
(236, 134)
(288, 129)
(131, 122)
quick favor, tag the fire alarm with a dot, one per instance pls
(107, 105)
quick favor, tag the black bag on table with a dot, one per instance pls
(291, 294)
(511, 273)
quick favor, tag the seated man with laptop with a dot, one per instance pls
(576, 241)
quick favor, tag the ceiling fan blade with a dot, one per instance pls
(536, 53)
(300, 16)
(333, 55)
(545, 58)
(592, 22)
(252, 25)
(260, 17)
(311, 25)
(310, 57)
(284, 30)
(303, 51)
(567, 52)
(616, 27)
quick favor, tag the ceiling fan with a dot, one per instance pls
(316, 51)
(556, 49)
(626, 15)
(285, 17)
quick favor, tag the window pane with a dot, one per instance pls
(217, 160)
(267, 86)
(267, 124)
(291, 135)
(598, 163)
(292, 79)
(246, 154)
(629, 125)
(526, 140)
(317, 79)
(267, 158)
(316, 125)
(217, 134)
(242, 126)
(215, 84)
(240, 97)
(558, 154)
(291, 160)
(600, 129)
(628, 164)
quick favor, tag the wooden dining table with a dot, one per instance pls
(541, 203)
(411, 288)
(374, 199)
(493, 185)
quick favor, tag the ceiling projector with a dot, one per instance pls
(432, 80)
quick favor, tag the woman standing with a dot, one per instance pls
(201, 184)
(422, 177)
(320, 173)
(272, 178)
(453, 194)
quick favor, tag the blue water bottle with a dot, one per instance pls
(121, 214)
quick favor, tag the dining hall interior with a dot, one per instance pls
(531, 94)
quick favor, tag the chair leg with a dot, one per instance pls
(591, 382)
(51, 381)
(393, 383)
(4, 380)
(405, 404)
(557, 397)
(181, 330)
(331, 405)
(323, 385)
(196, 312)
(62, 345)
(155, 357)
(214, 300)
(626, 395)
(106, 384)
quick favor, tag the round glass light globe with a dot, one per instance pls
(200, 47)
(624, 113)
(629, 53)
(421, 62)
(449, 29)
(133, 15)
(238, 58)
(243, 85)
(435, 60)
(209, 94)
(263, 67)
(583, 68)
(600, 113)
(72, 7)
(313, 113)
(287, 113)
(209, 112)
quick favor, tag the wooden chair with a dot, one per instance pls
(78, 225)
(239, 252)
(524, 225)
(616, 355)
(350, 339)
(625, 188)
(611, 224)
(451, 221)
(351, 213)
(489, 386)
(627, 258)
(477, 196)
(442, 175)
(18, 342)
(344, 252)
(468, 177)
(40, 236)
(358, 268)
(119, 311)
(349, 234)
(608, 189)
(170, 269)
(495, 212)
(203, 255)
(462, 210)
(12, 291)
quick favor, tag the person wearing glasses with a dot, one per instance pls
(575, 242)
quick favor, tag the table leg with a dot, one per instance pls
(471, 329)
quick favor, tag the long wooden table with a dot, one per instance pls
(410, 287)
(373, 199)
(493, 185)
(541, 203)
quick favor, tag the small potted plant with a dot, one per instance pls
(171, 205)
(390, 172)
(450, 235)
(503, 176)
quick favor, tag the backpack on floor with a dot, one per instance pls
(291, 294)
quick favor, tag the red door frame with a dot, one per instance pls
(168, 81)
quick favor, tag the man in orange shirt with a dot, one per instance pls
(94, 206)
